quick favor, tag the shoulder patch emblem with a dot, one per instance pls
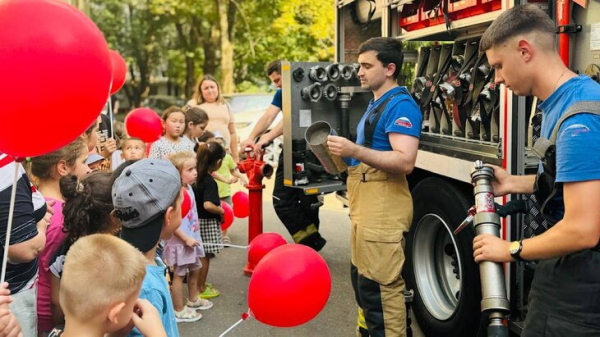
(403, 122)
(576, 129)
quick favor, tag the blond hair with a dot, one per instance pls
(100, 270)
(179, 158)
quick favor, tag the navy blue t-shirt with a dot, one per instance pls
(401, 115)
(24, 225)
(277, 101)
(578, 140)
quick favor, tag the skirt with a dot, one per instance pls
(210, 231)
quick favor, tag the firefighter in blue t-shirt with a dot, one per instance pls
(563, 301)
(381, 206)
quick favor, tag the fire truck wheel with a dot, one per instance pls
(439, 265)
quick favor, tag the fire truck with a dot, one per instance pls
(466, 117)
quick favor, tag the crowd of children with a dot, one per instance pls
(113, 228)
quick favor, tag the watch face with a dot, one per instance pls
(514, 247)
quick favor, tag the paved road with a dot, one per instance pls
(338, 318)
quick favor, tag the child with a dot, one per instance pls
(196, 120)
(230, 174)
(47, 171)
(120, 135)
(147, 199)
(132, 149)
(210, 214)
(91, 194)
(174, 125)
(184, 249)
(100, 287)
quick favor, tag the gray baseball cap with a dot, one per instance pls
(142, 193)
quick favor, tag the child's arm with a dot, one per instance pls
(58, 317)
(212, 208)
(242, 177)
(189, 241)
(220, 178)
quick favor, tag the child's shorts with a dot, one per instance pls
(182, 270)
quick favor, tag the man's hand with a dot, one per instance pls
(245, 144)
(342, 147)
(259, 146)
(501, 181)
(108, 147)
(487, 247)
(147, 319)
(45, 222)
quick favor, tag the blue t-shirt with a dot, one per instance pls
(578, 141)
(401, 115)
(277, 99)
(156, 290)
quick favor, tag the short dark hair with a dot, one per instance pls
(274, 66)
(518, 20)
(389, 50)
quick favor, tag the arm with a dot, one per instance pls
(28, 250)
(234, 143)
(189, 241)
(269, 136)
(57, 314)
(505, 183)
(262, 125)
(400, 160)
(242, 177)
(578, 230)
(212, 208)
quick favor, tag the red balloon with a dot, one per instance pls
(262, 244)
(119, 71)
(241, 204)
(55, 72)
(289, 287)
(186, 205)
(228, 218)
(145, 124)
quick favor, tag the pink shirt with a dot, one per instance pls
(54, 238)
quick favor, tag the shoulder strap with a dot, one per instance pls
(542, 145)
(369, 128)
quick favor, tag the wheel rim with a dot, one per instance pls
(437, 268)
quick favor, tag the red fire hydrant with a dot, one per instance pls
(255, 168)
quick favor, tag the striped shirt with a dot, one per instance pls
(24, 223)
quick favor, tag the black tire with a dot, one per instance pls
(447, 289)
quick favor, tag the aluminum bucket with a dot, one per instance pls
(316, 137)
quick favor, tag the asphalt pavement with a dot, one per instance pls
(338, 318)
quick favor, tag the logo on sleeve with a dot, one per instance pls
(403, 122)
(576, 129)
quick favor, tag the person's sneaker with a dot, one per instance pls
(200, 304)
(187, 315)
(209, 293)
(226, 240)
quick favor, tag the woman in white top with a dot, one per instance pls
(207, 96)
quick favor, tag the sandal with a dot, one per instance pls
(209, 293)
(187, 315)
(200, 304)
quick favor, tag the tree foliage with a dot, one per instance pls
(177, 41)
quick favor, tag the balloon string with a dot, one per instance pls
(224, 245)
(244, 317)
(10, 221)
(110, 115)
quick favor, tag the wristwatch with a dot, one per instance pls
(515, 249)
